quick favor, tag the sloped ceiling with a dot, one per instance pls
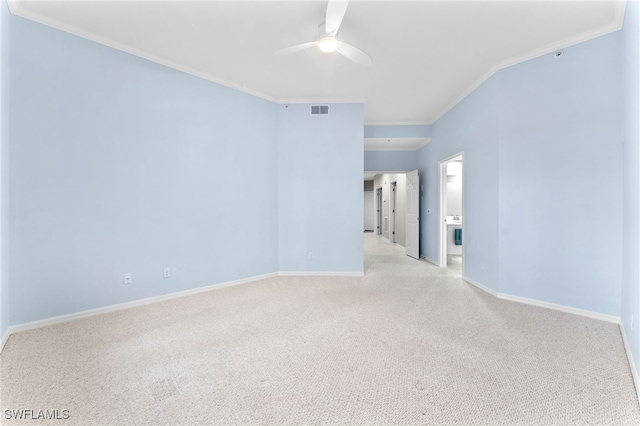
(427, 55)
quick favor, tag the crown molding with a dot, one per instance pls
(294, 101)
(562, 44)
(392, 149)
(398, 123)
(16, 8)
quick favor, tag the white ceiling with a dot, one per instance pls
(427, 55)
(397, 144)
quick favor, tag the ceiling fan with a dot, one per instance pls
(328, 42)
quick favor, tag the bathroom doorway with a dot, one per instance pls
(451, 253)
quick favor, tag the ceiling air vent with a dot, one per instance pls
(319, 109)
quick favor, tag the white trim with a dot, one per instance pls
(17, 10)
(398, 123)
(295, 101)
(442, 202)
(562, 308)
(427, 140)
(386, 172)
(428, 259)
(632, 364)
(480, 286)
(548, 305)
(319, 274)
(574, 311)
(391, 149)
(423, 143)
(562, 44)
(5, 338)
(126, 305)
(393, 206)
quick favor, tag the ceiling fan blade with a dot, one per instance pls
(335, 13)
(296, 48)
(354, 54)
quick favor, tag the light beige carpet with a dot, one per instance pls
(407, 344)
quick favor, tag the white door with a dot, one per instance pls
(392, 211)
(413, 214)
(379, 211)
(368, 211)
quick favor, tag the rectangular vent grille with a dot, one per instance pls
(319, 109)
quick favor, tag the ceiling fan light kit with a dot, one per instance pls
(328, 43)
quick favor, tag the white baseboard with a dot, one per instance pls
(561, 308)
(319, 274)
(574, 311)
(480, 286)
(120, 306)
(632, 364)
(428, 259)
(548, 305)
(112, 308)
(5, 337)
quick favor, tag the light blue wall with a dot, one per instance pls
(5, 50)
(320, 197)
(470, 127)
(392, 161)
(631, 183)
(560, 174)
(397, 131)
(542, 173)
(122, 165)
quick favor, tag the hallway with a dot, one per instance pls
(385, 258)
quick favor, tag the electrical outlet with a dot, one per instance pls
(128, 278)
(310, 255)
(482, 265)
(166, 273)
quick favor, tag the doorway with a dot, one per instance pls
(451, 235)
(392, 210)
(368, 211)
(379, 211)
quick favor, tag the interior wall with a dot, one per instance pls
(122, 165)
(320, 194)
(560, 177)
(470, 127)
(630, 309)
(379, 161)
(543, 160)
(5, 50)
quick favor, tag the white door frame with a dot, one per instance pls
(393, 198)
(378, 212)
(412, 234)
(369, 208)
(442, 207)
